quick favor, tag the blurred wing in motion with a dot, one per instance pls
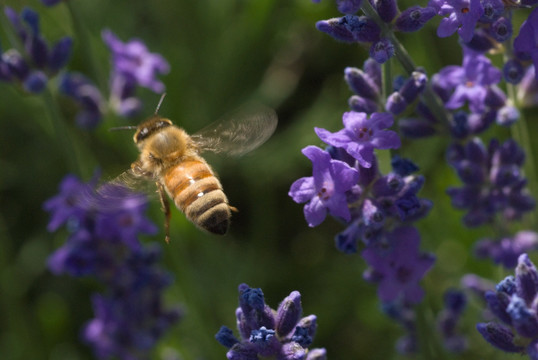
(140, 184)
(239, 133)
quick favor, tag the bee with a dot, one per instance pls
(171, 158)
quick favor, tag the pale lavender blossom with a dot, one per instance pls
(362, 134)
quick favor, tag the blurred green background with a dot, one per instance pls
(222, 53)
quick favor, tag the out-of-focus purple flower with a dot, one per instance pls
(39, 62)
(493, 182)
(501, 29)
(507, 250)
(399, 265)
(325, 190)
(493, 9)
(104, 225)
(514, 303)
(133, 60)
(455, 302)
(348, 6)
(50, 2)
(382, 50)
(525, 44)
(468, 83)
(462, 17)
(350, 28)
(386, 9)
(414, 18)
(87, 95)
(361, 135)
(513, 71)
(282, 334)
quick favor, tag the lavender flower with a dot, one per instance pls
(325, 190)
(133, 66)
(39, 61)
(133, 60)
(513, 303)
(493, 183)
(469, 83)
(525, 43)
(282, 334)
(88, 97)
(396, 265)
(455, 302)
(103, 243)
(462, 17)
(506, 251)
(361, 135)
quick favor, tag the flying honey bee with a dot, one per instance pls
(171, 158)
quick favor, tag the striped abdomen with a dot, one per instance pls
(198, 193)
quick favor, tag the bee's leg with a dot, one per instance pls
(166, 209)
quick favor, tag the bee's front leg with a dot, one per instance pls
(166, 209)
(138, 170)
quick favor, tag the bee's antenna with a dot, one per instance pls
(129, 127)
(159, 104)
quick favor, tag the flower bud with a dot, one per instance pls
(288, 314)
(498, 336)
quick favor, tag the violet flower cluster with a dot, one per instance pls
(133, 66)
(104, 225)
(460, 102)
(377, 209)
(31, 62)
(281, 334)
(513, 303)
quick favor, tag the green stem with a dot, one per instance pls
(430, 98)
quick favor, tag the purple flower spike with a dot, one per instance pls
(350, 28)
(525, 44)
(272, 340)
(401, 267)
(462, 17)
(348, 6)
(498, 336)
(526, 279)
(361, 135)
(325, 190)
(382, 50)
(414, 18)
(288, 314)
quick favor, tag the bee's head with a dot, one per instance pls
(149, 127)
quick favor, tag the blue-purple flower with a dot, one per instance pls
(397, 266)
(526, 43)
(493, 182)
(362, 134)
(133, 60)
(282, 334)
(468, 83)
(38, 62)
(462, 17)
(506, 250)
(104, 226)
(513, 304)
(325, 191)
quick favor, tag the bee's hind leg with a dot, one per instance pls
(166, 209)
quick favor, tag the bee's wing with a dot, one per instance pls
(238, 133)
(135, 183)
